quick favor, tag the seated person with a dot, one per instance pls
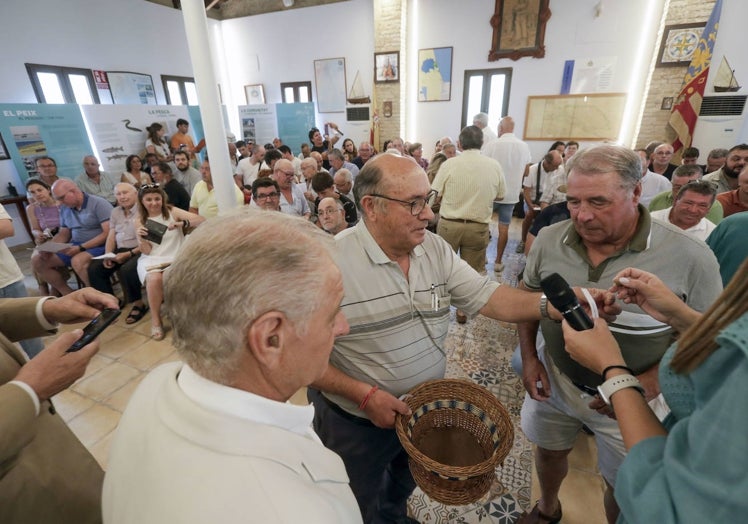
(682, 175)
(133, 172)
(175, 192)
(693, 202)
(94, 181)
(203, 199)
(331, 215)
(156, 256)
(44, 217)
(324, 185)
(122, 241)
(212, 438)
(84, 222)
(266, 194)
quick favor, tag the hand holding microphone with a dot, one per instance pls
(562, 297)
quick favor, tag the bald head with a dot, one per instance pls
(506, 125)
(66, 192)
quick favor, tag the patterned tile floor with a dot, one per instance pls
(479, 350)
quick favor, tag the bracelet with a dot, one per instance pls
(544, 307)
(132, 253)
(605, 371)
(368, 397)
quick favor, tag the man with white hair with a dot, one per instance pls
(292, 199)
(338, 161)
(212, 437)
(364, 154)
(660, 163)
(481, 122)
(344, 183)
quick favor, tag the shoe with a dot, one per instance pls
(520, 248)
(535, 516)
(498, 267)
(157, 332)
(461, 317)
(136, 313)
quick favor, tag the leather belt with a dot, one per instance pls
(463, 220)
(585, 389)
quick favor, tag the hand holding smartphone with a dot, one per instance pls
(94, 328)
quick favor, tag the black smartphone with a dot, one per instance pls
(94, 328)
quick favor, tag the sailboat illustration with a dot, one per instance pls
(724, 80)
(356, 94)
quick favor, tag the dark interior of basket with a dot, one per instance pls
(453, 432)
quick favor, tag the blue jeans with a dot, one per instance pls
(32, 346)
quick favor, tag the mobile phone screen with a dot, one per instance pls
(94, 328)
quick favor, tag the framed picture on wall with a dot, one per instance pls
(329, 76)
(387, 67)
(255, 94)
(435, 74)
(679, 41)
(518, 29)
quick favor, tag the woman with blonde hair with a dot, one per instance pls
(691, 467)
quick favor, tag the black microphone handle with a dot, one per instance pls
(577, 318)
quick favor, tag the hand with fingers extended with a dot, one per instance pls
(79, 306)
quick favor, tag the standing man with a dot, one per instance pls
(399, 281)
(84, 222)
(185, 174)
(534, 183)
(682, 176)
(736, 201)
(690, 208)
(466, 187)
(660, 163)
(514, 156)
(292, 199)
(203, 199)
(726, 177)
(609, 231)
(47, 474)
(96, 182)
(652, 183)
(481, 122)
(212, 438)
(181, 141)
(247, 168)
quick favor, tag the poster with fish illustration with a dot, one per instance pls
(35, 130)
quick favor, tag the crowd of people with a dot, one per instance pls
(339, 271)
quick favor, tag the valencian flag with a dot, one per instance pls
(686, 108)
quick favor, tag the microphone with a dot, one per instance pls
(563, 298)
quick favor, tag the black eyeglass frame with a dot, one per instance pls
(423, 202)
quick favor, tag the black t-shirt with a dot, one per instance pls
(549, 216)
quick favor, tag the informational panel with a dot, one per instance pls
(131, 88)
(574, 117)
(34, 130)
(329, 76)
(294, 123)
(120, 130)
(259, 124)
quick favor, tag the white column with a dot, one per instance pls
(196, 27)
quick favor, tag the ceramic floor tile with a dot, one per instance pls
(94, 424)
(584, 454)
(125, 342)
(147, 355)
(100, 450)
(107, 380)
(119, 399)
(70, 404)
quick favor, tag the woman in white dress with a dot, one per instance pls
(152, 205)
(134, 173)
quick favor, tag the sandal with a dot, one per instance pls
(136, 313)
(157, 332)
(536, 515)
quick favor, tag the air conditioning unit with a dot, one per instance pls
(721, 123)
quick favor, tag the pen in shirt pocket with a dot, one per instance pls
(434, 297)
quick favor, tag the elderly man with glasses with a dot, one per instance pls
(399, 282)
(84, 222)
(292, 199)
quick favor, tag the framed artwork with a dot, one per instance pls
(679, 41)
(255, 94)
(329, 76)
(518, 29)
(435, 74)
(667, 103)
(3, 150)
(387, 67)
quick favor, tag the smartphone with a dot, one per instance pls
(94, 328)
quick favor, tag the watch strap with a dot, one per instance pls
(617, 383)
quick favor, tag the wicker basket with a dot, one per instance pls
(452, 405)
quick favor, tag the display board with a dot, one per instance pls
(574, 117)
(131, 88)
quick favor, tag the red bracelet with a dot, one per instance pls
(367, 397)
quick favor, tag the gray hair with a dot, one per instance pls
(345, 173)
(687, 170)
(309, 161)
(480, 118)
(336, 153)
(606, 158)
(212, 304)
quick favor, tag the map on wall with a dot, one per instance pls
(574, 117)
(434, 74)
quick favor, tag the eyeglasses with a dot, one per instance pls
(268, 195)
(416, 206)
(325, 212)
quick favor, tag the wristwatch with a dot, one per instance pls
(617, 383)
(544, 307)
(81, 248)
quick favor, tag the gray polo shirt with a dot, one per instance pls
(683, 263)
(398, 325)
